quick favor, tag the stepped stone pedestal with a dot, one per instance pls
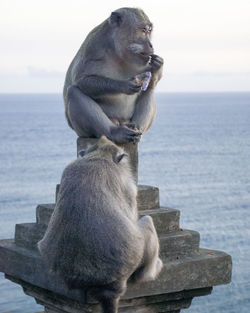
(189, 271)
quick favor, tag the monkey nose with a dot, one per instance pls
(151, 49)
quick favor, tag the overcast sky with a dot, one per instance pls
(205, 44)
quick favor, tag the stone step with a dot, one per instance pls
(165, 219)
(174, 245)
(147, 197)
(28, 234)
(205, 268)
(44, 212)
(177, 244)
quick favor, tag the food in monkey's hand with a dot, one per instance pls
(143, 80)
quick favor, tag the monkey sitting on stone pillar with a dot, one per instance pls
(103, 91)
(94, 240)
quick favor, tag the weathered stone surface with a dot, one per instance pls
(173, 244)
(57, 190)
(28, 234)
(44, 212)
(168, 302)
(147, 197)
(165, 219)
(177, 244)
(130, 148)
(204, 269)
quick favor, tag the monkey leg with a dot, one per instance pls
(85, 115)
(152, 264)
(88, 119)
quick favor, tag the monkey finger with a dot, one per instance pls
(131, 125)
(136, 89)
(136, 135)
(156, 57)
(134, 132)
(157, 61)
(133, 139)
(156, 65)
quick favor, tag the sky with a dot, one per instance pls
(205, 44)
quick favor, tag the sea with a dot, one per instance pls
(197, 152)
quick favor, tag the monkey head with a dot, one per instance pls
(105, 149)
(132, 36)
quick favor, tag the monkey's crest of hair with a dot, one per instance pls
(106, 149)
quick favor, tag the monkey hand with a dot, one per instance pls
(124, 134)
(131, 125)
(156, 65)
(131, 86)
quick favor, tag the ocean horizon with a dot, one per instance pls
(197, 153)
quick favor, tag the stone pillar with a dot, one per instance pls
(188, 270)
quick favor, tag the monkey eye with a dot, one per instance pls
(81, 153)
(120, 157)
(147, 29)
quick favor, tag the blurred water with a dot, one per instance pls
(197, 153)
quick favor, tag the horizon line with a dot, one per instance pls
(157, 92)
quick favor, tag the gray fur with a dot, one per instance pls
(99, 86)
(94, 239)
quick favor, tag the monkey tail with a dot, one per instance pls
(110, 305)
(109, 295)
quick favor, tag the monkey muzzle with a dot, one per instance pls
(139, 50)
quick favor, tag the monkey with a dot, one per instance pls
(101, 93)
(95, 240)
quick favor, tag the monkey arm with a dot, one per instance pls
(145, 106)
(94, 86)
(145, 109)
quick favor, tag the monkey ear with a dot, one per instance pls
(81, 153)
(115, 19)
(119, 157)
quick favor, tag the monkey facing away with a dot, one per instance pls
(101, 93)
(95, 240)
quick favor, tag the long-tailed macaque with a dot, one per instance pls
(94, 239)
(101, 93)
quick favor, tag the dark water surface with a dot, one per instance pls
(197, 153)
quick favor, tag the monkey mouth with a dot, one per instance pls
(146, 57)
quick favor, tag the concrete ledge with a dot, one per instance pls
(44, 212)
(28, 234)
(204, 269)
(165, 219)
(147, 197)
(169, 302)
(177, 244)
(173, 244)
